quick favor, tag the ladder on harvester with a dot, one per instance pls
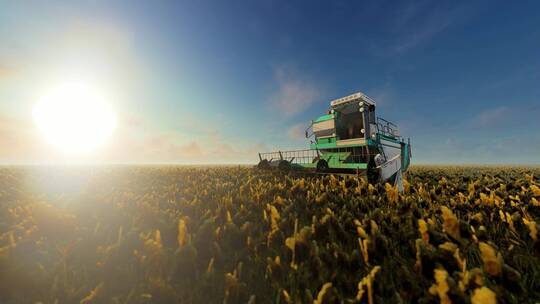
(379, 144)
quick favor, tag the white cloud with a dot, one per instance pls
(295, 92)
(18, 142)
(490, 150)
(491, 117)
(504, 118)
(417, 23)
(160, 147)
(382, 95)
(297, 131)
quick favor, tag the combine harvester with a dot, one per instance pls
(348, 139)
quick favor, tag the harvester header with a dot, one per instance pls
(349, 138)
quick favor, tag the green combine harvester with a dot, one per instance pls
(348, 139)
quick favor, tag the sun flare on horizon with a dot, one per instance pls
(75, 118)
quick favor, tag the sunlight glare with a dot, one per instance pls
(75, 118)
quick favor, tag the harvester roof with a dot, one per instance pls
(354, 98)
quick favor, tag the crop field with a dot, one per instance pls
(235, 235)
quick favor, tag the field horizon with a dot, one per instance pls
(248, 164)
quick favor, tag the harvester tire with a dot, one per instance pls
(322, 166)
(372, 173)
(263, 165)
(284, 165)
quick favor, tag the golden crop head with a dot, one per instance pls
(440, 288)
(450, 222)
(322, 293)
(483, 295)
(492, 259)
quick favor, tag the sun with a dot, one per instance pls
(75, 118)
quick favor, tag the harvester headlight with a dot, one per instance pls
(373, 135)
(361, 104)
(379, 160)
(361, 109)
(363, 131)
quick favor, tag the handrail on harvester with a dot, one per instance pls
(293, 156)
(310, 127)
(386, 128)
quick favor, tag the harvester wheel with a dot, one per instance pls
(284, 165)
(263, 164)
(372, 173)
(322, 166)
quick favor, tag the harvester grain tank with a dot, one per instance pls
(349, 138)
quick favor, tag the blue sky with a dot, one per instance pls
(217, 81)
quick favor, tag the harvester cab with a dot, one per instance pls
(349, 138)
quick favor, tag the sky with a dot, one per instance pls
(219, 81)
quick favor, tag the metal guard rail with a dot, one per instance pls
(386, 128)
(294, 156)
(308, 156)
